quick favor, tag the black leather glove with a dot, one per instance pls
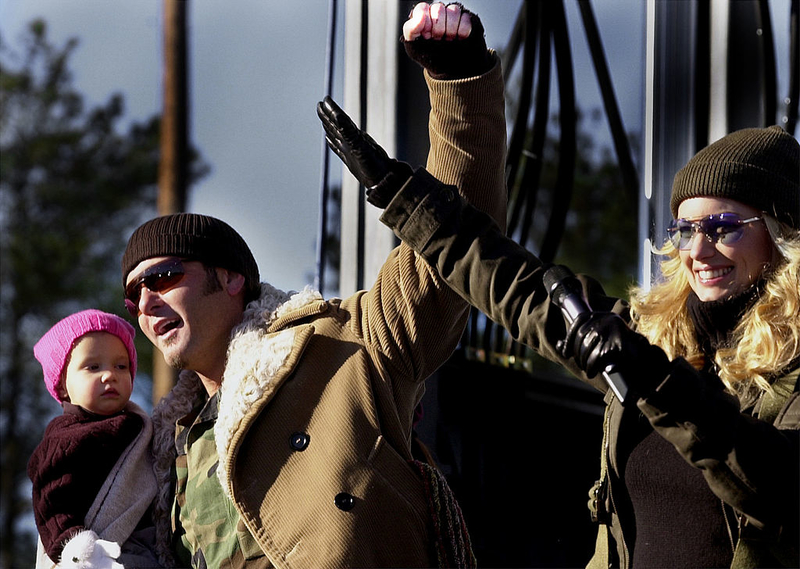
(453, 59)
(597, 339)
(366, 159)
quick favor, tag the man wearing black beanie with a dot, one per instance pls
(286, 441)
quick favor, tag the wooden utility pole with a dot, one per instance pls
(173, 167)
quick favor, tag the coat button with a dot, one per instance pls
(344, 501)
(299, 441)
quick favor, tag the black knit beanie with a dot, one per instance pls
(193, 237)
(759, 167)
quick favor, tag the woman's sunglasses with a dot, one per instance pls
(725, 228)
(158, 278)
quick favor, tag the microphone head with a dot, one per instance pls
(565, 291)
(554, 275)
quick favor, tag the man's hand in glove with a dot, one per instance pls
(438, 21)
(447, 40)
(598, 339)
(367, 161)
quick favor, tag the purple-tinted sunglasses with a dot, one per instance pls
(725, 228)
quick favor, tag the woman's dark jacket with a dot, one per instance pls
(751, 464)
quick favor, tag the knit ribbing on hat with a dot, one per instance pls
(53, 349)
(759, 167)
(194, 237)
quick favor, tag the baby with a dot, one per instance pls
(92, 474)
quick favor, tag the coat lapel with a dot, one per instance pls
(257, 364)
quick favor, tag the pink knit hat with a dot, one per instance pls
(53, 349)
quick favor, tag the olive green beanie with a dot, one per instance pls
(193, 237)
(759, 167)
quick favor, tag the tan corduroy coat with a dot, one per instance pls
(318, 396)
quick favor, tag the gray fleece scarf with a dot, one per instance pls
(125, 496)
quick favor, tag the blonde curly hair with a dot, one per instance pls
(764, 343)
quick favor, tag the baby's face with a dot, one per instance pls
(98, 375)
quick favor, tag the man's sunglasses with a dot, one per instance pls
(159, 278)
(725, 228)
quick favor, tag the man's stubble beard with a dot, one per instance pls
(174, 361)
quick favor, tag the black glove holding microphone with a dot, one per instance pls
(596, 339)
(366, 159)
(602, 342)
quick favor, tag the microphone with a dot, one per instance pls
(565, 292)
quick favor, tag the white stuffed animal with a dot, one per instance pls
(86, 551)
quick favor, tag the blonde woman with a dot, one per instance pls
(701, 463)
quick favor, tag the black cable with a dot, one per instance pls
(793, 98)
(322, 232)
(568, 145)
(541, 114)
(510, 53)
(769, 76)
(362, 95)
(630, 176)
(701, 97)
(520, 128)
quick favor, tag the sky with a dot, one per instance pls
(257, 70)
